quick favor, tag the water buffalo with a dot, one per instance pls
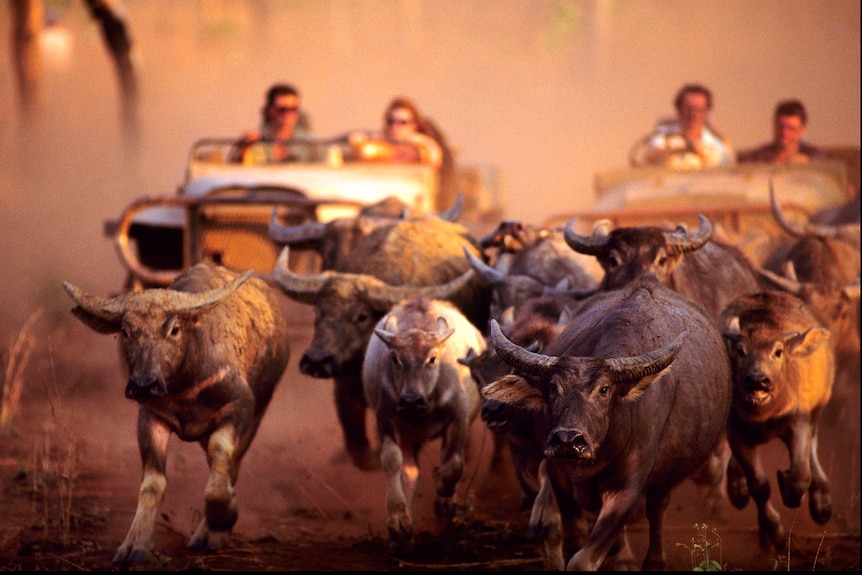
(821, 266)
(419, 392)
(783, 371)
(637, 390)
(204, 356)
(534, 323)
(706, 272)
(336, 240)
(407, 259)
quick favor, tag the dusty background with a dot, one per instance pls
(539, 95)
(542, 93)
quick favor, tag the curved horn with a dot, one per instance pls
(454, 212)
(383, 295)
(846, 232)
(785, 283)
(302, 233)
(594, 245)
(574, 293)
(684, 241)
(521, 359)
(108, 309)
(299, 287)
(112, 309)
(486, 272)
(633, 368)
(186, 302)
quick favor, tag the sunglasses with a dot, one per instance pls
(392, 121)
(286, 109)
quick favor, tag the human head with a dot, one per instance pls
(281, 110)
(788, 123)
(693, 102)
(402, 117)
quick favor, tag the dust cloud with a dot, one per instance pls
(545, 93)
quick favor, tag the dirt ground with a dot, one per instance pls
(70, 471)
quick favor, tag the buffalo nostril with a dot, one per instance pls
(412, 402)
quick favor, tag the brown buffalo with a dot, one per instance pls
(204, 356)
(783, 369)
(631, 362)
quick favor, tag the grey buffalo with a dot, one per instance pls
(419, 392)
(407, 259)
(631, 362)
(783, 371)
(203, 357)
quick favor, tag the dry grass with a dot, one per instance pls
(13, 380)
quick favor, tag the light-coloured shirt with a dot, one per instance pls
(668, 138)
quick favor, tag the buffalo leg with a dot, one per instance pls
(153, 437)
(350, 406)
(656, 506)
(768, 520)
(402, 472)
(615, 511)
(219, 497)
(546, 522)
(451, 468)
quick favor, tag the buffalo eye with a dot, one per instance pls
(394, 358)
(613, 261)
(740, 350)
(662, 260)
(432, 359)
(603, 390)
(362, 318)
(779, 349)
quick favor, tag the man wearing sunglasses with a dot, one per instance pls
(281, 120)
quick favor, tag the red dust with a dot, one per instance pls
(70, 472)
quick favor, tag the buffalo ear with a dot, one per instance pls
(803, 344)
(97, 324)
(514, 390)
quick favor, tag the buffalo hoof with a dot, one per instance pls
(207, 540)
(445, 507)
(133, 557)
(820, 505)
(401, 541)
(791, 494)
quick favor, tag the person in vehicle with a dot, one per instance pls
(688, 141)
(789, 122)
(406, 137)
(281, 119)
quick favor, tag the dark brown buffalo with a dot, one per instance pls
(783, 371)
(706, 272)
(204, 356)
(408, 258)
(637, 390)
(533, 324)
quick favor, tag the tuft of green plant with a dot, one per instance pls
(700, 548)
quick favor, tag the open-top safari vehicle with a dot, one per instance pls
(736, 198)
(222, 210)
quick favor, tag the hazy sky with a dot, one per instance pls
(545, 93)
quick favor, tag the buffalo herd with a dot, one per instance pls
(612, 366)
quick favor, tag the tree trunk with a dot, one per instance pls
(28, 17)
